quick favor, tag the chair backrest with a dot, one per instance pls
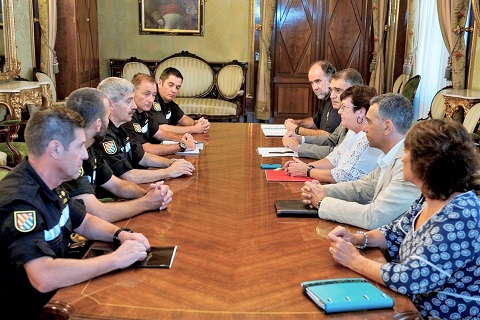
(410, 88)
(398, 84)
(41, 76)
(198, 76)
(229, 80)
(134, 67)
(437, 107)
(471, 119)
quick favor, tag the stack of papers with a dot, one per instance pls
(277, 152)
(274, 130)
(196, 151)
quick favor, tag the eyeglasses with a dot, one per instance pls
(343, 107)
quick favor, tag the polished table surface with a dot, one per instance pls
(235, 258)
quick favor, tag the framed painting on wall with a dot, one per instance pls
(171, 17)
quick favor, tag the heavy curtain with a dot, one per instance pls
(379, 13)
(411, 38)
(452, 15)
(262, 106)
(430, 48)
(48, 24)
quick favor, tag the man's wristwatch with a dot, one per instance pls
(310, 167)
(116, 239)
(297, 130)
(182, 145)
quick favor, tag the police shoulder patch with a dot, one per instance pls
(110, 147)
(157, 106)
(25, 221)
(137, 127)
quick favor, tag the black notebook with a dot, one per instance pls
(158, 257)
(294, 208)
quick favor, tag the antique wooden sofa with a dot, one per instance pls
(214, 90)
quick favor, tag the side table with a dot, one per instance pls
(15, 95)
(460, 99)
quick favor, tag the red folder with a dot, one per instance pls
(281, 175)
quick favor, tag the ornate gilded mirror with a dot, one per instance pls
(476, 13)
(11, 67)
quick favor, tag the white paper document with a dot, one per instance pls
(274, 130)
(276, 152)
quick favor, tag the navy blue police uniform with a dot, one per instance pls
(35, 222)
(119, 150)
(165, 113)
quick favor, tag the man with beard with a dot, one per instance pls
(319, 146)
(97, 177)
(326, 119)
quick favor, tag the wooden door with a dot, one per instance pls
(309, 30)
(77, 46)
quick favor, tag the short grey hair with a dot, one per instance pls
(397, 108)
(116, 88)
(350, 75)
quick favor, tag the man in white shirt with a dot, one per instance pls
(383, 195)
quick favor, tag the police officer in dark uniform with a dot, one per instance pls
(38, 217)
(124, 155)
(145, 130)
(167, 113)
(97, 180)
(95, 172)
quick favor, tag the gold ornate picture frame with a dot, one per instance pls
(171, 17)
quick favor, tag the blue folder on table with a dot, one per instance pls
(346, 294)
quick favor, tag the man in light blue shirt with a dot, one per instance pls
(383, 195)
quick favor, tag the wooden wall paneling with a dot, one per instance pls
(77, 46)
(347, 37)
(294, 50)
(305, 31)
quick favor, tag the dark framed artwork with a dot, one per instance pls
(171, 17)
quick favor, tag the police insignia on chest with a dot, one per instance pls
(157, 106)
(110, 147)
(25, 221)
(137, 127)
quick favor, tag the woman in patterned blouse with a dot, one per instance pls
(434, 248)
(353, 158)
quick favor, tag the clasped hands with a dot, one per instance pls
(202, 124)
(296, 168)
(313, 192)
(290, 139)
(342, 246)
(160, 194)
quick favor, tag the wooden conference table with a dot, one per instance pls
(235, 258)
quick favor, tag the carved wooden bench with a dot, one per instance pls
(214, 90)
